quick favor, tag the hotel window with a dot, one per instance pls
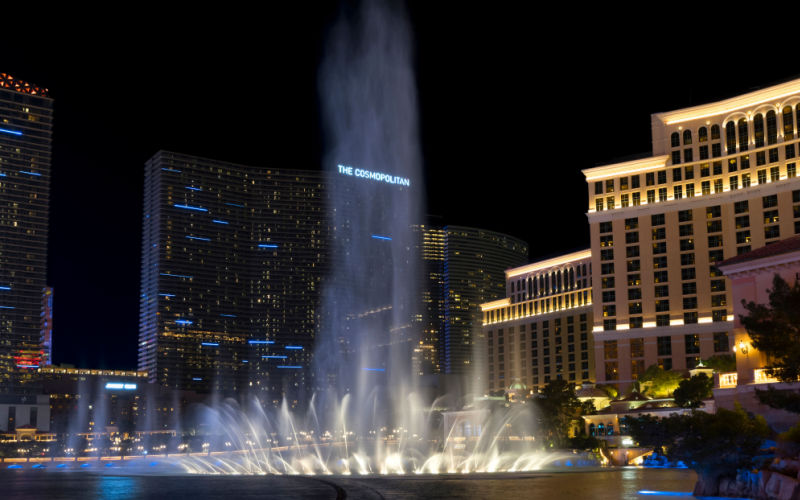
(651, 196)
(758, 131)
(730, 137)
(687, 137)
(721, 342)
(772, 232)
(607, 282)
(632, 237)
(637, 200)
(609, 324)
(689, 288)
(690, 190)
(606, 227)
(688, 273)
(634, 293)
(660, 247)
(797, 227)
(715, 241)
(690, 302)
(791, 170)
(788, 123)
(657, 220)
(718, 300)
(741, 207)
(769, 201)
(606, 241)
(714, 226)
(687, 244)
(685, 215)
(690, 318)
(732, 165)
(635, 308)
(702, 134)
(598, 187)
(718, 185)
(714, 132)
(688, 171)
(717, 168)
(610, 186)
(745, 180)
(634, 280)
(660, 277)
(715, 256)
(662, 176)
(718, 315)
(716, 150)
(610, 203)
(623, 183)
(664, 346)
(650, 178)
(796, 196)
(678, 192)
(607, 268)
(661, 291)
(717, 285)
(624, 200)
(676, 157)
(607, 254)
(636, 322)
(733, 182)
(634, 181)
(662, 319)
(744, 162)
(692, 343)
(609, 296)
(659, 262)
(687, 259)
(773, 156)
(712, 212)
(761, 158)
(743, 237)
(659, 233)
(703, 150)
(714, 272)
(612, 370)
(790, 151)
(610, 310)
(742, 221)
(704, 170)
(632, 223)
(743, 134)
(675, 140)
(632, 252)
(705, 188)
(796, 211)
(687, 155)
(772, 127)
(774, 174)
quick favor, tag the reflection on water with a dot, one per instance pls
(117, 487)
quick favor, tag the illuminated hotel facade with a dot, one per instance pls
(26, 121)
(232, 259)
(722, 180)
(541, 330)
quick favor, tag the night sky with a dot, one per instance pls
(513, 104)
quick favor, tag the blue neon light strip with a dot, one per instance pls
(170, 170)
(267, 245)
(228, 315)
(166, 294)
(665, 493)
(374, 369)
(379, 237)
(183, 322)
(235, 205)
(189, 207)
(175, 275)
(5, 288)
(245, 361)
(7, 307)
(3, 175)
(190, 188)
(260, 341)
(30, 173)
(27, 366)
(217, 221)
(210, 344)
(196, 378)
(12, 132)
(198, 238)
(294, 367)
(272, 356)
(294, 347)
(120, 385)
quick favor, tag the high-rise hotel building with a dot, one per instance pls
(722, 180)
(26, 123)
(540, 331)
(232, 259)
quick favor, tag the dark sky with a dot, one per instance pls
(514, 102)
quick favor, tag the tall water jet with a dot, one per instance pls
(370, 304)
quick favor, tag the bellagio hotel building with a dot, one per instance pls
(722, 180)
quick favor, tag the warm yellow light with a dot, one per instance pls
(544, 264)
(705, 320)
(675, 322)
(649, 324)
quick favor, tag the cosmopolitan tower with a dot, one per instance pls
(26, 122)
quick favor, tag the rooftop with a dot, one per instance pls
(783, 246)
(9, 82)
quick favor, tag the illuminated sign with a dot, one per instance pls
(120, 385)
(375, 176)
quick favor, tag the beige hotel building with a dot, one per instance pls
(722, 181)
(541, 331)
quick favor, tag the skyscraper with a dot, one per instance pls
(232, 257)
(26, 121)
(721, 181)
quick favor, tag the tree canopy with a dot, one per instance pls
(559, 408)
(774, 329)
(691, 392)
(658, 382)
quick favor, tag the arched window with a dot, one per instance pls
(744, 134)
(592, 430)
(675, 138)
(572, 277)
(559, 287)
(758, 131)
(687, 137)
(601, 430)
(788, 123)
(610, 429)
(730, 137)
(772, 127)
(702, 134)
(714, 132)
